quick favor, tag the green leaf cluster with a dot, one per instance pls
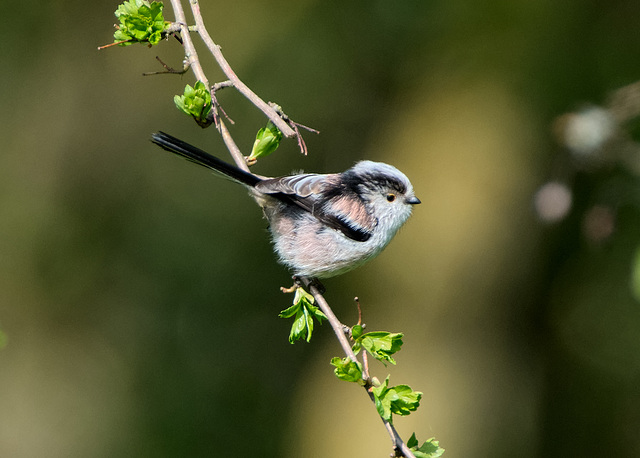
(196, 102)
(140, 22)
(380, 344)
(304, 312)
(399, 400)
(429, 449)
(348, 370)
(267, 141)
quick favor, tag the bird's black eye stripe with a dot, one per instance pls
(375, 182)
(381, 182)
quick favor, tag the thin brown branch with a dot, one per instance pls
(295, 126)
(337, 326)
(191, 57)
(238, 158)
(190, 53)
(214, 99)
(115, 43)
(228, 71)
(399, 446)
(167, 70)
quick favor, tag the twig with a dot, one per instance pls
(365, 359)
(191, 57)
(115, 43)
(228, 71)
(238, 158)
(338, 328)
(167, 70)
(190, 53)
(295, 126)
(214, 99)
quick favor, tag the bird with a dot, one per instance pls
(321, 225)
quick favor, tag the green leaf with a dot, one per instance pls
(413, 441)
(399, 400)
(380, 344)
(429, 449)
(308, 322)
(288, 313)
(348, 370)
(302, 296)
(196, 102)
(267, 141)
(383, 405)
(140, 22)
(304, 312)
(356, 331)
(299, 328)
(404, 400)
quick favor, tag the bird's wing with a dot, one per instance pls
(303, 185)
(346, 214)
(306, 191)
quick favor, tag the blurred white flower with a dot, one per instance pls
(553, 201)
(586, 132)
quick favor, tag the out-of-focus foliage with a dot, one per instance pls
(635, 276)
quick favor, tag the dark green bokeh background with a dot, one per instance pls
(140, 295)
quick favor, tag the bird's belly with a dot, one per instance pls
(314, 250)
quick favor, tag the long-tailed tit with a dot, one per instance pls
(322, 225)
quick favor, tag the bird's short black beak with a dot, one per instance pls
(413, 200)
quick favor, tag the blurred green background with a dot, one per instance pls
(139, 294)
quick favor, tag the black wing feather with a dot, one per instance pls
(200, 157)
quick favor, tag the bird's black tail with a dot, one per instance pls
(193, 154)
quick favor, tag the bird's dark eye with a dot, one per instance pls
(391, 197)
